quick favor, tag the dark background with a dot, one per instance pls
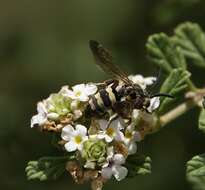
(44, 45)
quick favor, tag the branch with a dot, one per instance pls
(193, 99)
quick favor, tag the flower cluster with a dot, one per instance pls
(64, 107)
(99, 146)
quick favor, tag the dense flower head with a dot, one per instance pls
(94, 152)
(99, 144)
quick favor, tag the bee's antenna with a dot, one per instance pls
(162, 94)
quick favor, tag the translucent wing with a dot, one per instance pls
(104, 60)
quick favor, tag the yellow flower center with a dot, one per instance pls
(78, 139)
(128, 134)
(78, 93)
(110, 131)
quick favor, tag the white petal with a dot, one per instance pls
(91, 89)
(38, 120)
(34, 121)
(108, 138)
(107, 173)
(110, 153)
(119, 172)
(154, 104)
(105, 165)
(116, 124)
(89, 165)
(101, 136)
(119, 136)
(132, 148)
(53, 116)
(103, 124)
(83, 97)
(81, 130)
(79, 87)
(85, 138)
(64, 90)
(67, 133)
(119, 159)
(136, 78)
(41, 108)
(80, 147)
(130, 127)
(150, 80)
(74, 104)
(71, 94)
(70, 146)
(126, 141)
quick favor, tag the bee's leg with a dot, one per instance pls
(112, 118)
(123, 109)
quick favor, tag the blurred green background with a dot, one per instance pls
(44, 45)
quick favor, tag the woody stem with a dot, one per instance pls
(190, 103)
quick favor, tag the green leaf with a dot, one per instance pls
(175, 83)
(202, 120)
(138, 165)
(196, 172)
(47, 168)
(191, 39)
(163, 52)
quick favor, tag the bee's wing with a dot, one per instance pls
(104, 59)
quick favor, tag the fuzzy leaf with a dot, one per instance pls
(174, 84)
(162, 52)
(191, 39)
(46, 168)
(196, 172)
(202, 120)
(138, 165)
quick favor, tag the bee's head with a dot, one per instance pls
(141, 102)
(132, 92)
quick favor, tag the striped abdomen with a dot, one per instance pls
(104, 99)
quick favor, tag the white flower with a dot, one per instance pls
(142, 81)
(81, 92)
(75, 137)
(114, 168)
(154, 104)
(111, 132)
(131, 136)
(41, 117)
(64, 90)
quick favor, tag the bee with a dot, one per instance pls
(119, 95)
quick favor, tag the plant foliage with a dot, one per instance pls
(196, 172)
(46, 168)
(138, 165)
